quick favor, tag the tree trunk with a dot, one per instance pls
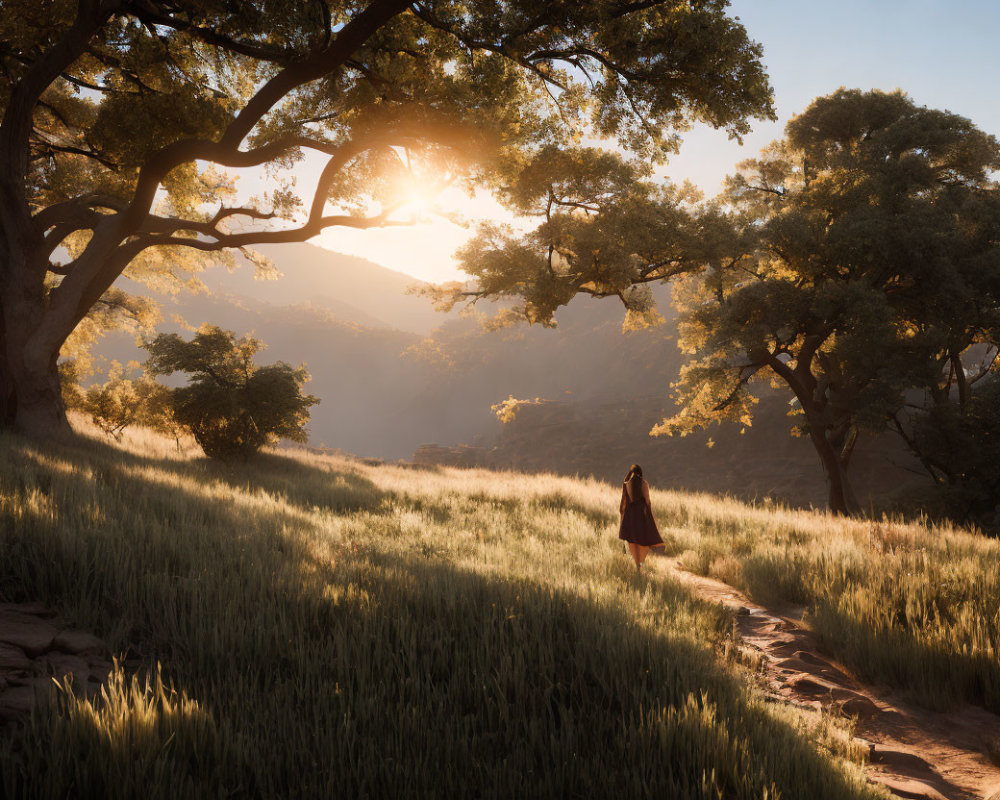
(841, 495)
(804, 386)
(30, 395)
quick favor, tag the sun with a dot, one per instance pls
(417, 202)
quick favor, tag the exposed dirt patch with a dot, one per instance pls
(36, 649)
(914, 753)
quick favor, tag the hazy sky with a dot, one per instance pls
(942, 52)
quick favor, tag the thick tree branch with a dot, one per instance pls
(69, 210)
(18, 117)
(55, 214)
(225, 241)
(296, 74)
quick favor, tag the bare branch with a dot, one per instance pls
(768, 189)
(49, 148)
(746, 372)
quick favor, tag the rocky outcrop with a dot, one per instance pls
(36, 650)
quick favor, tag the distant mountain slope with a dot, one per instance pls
(353, 289)
(387, 387)
(603, 391)
(356, 371)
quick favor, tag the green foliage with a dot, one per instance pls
(872, 269)
(69, 383)
(123, 400)
(961, 449)
(606, 229)
(231, 406)
(157, 410)
(114, 405)
(507, 410)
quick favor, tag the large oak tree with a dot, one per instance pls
(871, 283)
(122, 117)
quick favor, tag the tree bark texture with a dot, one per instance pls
(30, 395)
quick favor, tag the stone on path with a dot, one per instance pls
(16, 701)
(34, 653)
(859, 706)
(59, 665)
(34, 636)
(12, 658)
(32, 609)
(77, 642)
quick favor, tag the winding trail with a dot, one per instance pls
(914, 753)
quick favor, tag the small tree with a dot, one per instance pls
(114, 405)
(231, 406)
(124, 400)
(157, 410)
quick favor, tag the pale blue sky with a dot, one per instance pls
(944, 54)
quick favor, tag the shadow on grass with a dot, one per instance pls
(931, 675)
(380, 675)
(306, 486)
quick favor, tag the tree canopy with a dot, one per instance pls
(855, 262)
(231, 406)
(870, 271)
(123, 120)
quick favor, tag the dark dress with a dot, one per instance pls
(638, 525)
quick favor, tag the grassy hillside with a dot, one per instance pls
(913, 607)
(308, 626)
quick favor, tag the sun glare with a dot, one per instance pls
(418, 203)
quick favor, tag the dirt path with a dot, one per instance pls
(915, 753)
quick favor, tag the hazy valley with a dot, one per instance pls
(393, 375)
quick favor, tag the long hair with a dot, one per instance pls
(634, 482)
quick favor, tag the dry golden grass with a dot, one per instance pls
(913, 606)
(308, 626)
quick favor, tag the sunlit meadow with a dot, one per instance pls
(311, 626)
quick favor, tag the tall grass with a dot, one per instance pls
(308, 626)
(913, 606)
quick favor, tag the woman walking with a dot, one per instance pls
(638, 527)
